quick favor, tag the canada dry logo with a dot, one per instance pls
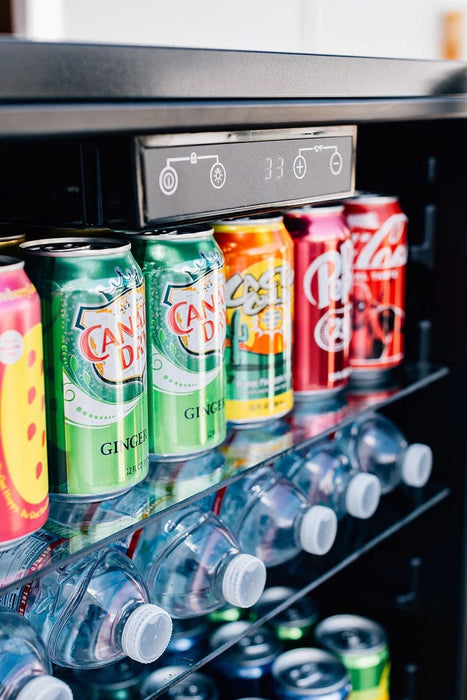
(113, 337)
(196, 314)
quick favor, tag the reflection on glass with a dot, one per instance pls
(246, 446)
(314, 416)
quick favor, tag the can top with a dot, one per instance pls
(196, 686)
(351, 635)
(321, 210)
(8, 263)
(259, 220)
(184, 231)
(6, 240)
(301, 613)
(256, 649)
(371, 198)
(309, 672)
(74, 247)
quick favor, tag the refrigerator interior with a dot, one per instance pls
(405, 567)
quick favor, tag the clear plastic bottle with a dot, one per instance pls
(272, 518)
(92, 611)
(193, 565)
(380, 448)
(25, 668)
(327, 476)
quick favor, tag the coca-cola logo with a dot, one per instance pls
(253, 293)
(113, 337)
(384, 249)
(196, 313)
(328, 279)
(333, 331)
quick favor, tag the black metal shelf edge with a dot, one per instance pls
(328, 566)
(81, 543)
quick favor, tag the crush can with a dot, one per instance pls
(185, 288)
(378, 228)
(23, 452)
(259, 300)
(362, 646)
(323, 284)
(93, 311)
(310, 673)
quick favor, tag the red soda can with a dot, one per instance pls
(23, 451)
(378, 228)
(323, 282)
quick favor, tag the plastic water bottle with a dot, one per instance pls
(92, 611)
(193, 564)
(380, 448)
(25, 668)
(272, 518)
(328, 478)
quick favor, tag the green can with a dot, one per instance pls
(94, 326)
(362, 646)
(185, 298)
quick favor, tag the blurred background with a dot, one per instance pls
(400, 28)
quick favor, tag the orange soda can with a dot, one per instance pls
(258, 256)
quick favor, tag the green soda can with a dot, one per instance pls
(94, 325)
(362, 647)
(185, 298)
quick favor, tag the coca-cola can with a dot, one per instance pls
(378, 228)
(323, 255)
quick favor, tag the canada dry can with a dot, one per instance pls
(185, 295)
(379, 234)
(23, 451)
(259, 299)
(93, 312)
(361, 645)
(323, 284)
(309, 673)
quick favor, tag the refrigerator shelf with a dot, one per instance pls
(74, 532)
(306, 572)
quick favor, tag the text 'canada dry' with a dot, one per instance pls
(185, 296)
(94, 323)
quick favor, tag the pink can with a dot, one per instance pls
(24, 496)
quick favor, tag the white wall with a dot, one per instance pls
(402, 28)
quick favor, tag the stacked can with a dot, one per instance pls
(303, 674)
(292, 625)
(93, 311)
(323, 284)
(379, 234)
(362, 646)
(185, 288)
(259, 300)
(23, 452)
(247, 664)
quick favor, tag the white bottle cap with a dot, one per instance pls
(244, 580)
(318, 530)
(362, 495)
(45, 688)
(416, 464)
(146, 633)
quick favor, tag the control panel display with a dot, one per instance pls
(188, 176)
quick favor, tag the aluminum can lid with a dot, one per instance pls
(351, 635)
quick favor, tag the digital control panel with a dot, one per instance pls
(188, 176)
